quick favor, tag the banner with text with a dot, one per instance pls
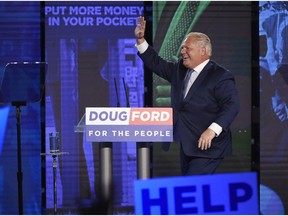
(93, 19)
(128, 124)
(235, 193)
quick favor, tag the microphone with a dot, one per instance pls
(126, 93)
(118, 102)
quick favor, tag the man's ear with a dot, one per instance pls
(203, 51)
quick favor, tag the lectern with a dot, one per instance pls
(22, 83)
(142, 125)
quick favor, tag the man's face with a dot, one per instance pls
(192, 54)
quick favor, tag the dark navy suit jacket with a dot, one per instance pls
(213, 97)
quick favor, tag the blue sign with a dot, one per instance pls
(235, 193)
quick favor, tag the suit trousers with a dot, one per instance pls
(191, 165)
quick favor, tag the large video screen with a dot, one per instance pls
(228, 24)
(90, 50)
(20, 149)
(273, 61)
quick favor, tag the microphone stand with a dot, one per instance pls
(54, 152)
(126, 93)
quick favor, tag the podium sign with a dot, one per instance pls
(128, 124)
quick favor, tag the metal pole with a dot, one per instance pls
(55, 183)
(106, 171)
(143, 161)
(19, 173)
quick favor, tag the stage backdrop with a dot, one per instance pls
(87, 47)
(90, 46)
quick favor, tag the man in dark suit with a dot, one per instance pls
(204, 98)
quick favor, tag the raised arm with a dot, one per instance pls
(140, 30)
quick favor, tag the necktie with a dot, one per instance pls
(186, 82)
